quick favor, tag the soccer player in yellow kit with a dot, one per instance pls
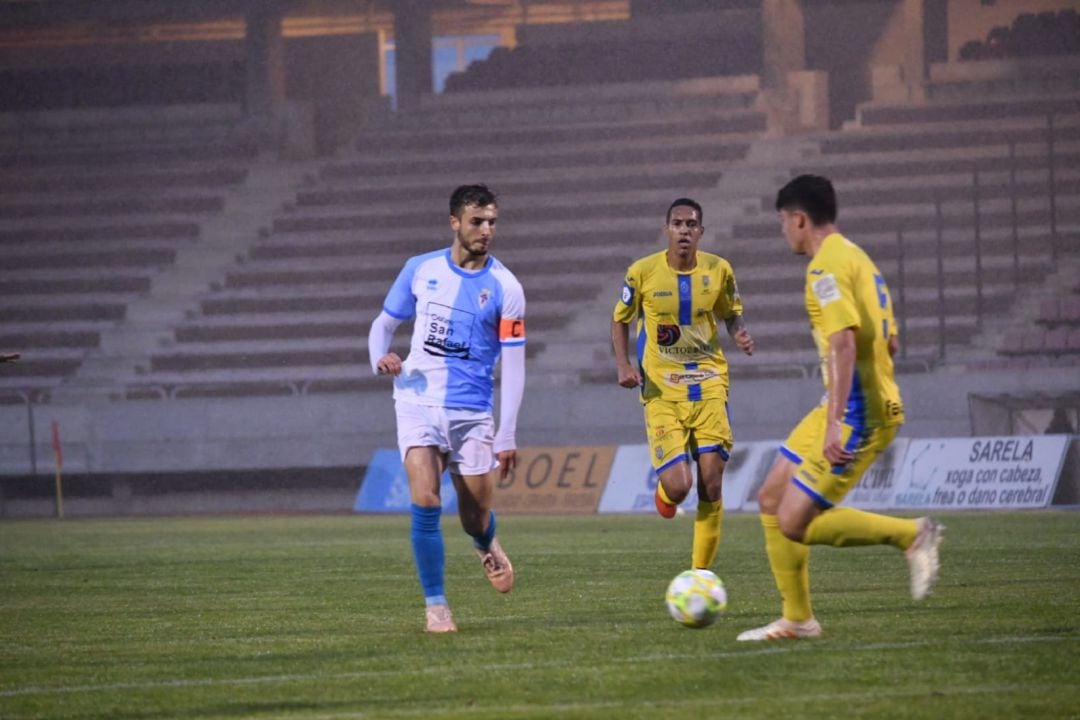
(676, 296)
(851, 316)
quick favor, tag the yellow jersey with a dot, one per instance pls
(845, 289)
(678, 348)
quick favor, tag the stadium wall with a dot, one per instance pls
(335, 435)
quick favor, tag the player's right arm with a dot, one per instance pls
(626, 310)
(400, 305)
(383, 362)
(628, 375)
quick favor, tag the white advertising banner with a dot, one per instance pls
(877, 487)
(981, 473)
(874, 491)
(758, 459)
(632, 483)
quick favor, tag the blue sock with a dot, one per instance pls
(427, 543)
(483, 540)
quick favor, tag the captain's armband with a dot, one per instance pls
(512, 330)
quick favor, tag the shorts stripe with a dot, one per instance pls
(681, 457)
(814, 495)
(724, 454)
(790, 455)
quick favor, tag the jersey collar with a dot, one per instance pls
(468, 273)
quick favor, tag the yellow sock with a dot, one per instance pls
(790, 562)
(663, 495)
(707, 532)
(845, 527)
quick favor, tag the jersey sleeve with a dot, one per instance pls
(512, 318)
(832, 284)
(728, 302)
(400, 302)
(629, 303)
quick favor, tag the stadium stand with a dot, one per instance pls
(150, 254)
(964, 204)
(640, 49)
(1046, 33)
(1054, 337)
(95, 203)
(582, 194)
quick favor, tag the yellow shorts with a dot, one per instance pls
(677, 428)
(829, 484)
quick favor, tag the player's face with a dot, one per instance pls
(683, 231)
(794, 223)
(475, 229)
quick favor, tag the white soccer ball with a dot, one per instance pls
(695, 598)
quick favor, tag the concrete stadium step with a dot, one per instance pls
(428, 195)
(952, 112)
(183, 205)
(91, 180)
(68, 289)
(697, 149)
(436, 139)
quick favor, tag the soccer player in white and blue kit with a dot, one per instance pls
(469, 310)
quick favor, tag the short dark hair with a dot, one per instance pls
(465, 195)
(813, 194)
(685, 202)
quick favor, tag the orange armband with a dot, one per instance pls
(511, 330)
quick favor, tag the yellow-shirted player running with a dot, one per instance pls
(676, 297)
(851, 316)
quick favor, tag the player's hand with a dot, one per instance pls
(507, 462)
(389, 364)
(744, 341)
(628, 376)
(834, 445)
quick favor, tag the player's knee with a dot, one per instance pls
(714, 488)
(768, 500)
(792, 528)
(676, 488)
(426, 498)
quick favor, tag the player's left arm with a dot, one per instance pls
(736, 327)
(729, 307)
(841, 369)
(893, 341)
(834, 288)
(512, 383)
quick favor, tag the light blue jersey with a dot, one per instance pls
(463, 319)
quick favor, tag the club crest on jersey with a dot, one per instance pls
(485, 295)
(705, 281)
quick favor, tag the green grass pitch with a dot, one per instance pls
(321, 618)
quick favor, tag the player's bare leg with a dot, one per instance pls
(672, 486)
(477, 519)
